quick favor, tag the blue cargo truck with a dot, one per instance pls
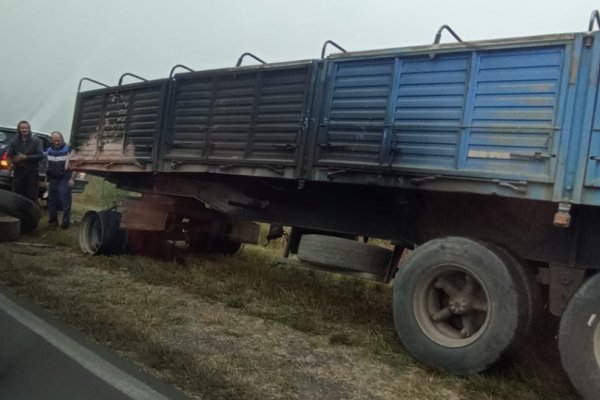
(479, 161)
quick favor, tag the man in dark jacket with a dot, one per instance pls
(60, 182)
(26, 152)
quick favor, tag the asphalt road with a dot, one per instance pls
(40, 358)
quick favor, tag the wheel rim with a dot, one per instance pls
(451, 306)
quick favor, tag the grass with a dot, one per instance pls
(245, 326)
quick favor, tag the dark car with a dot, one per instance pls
(6, 136)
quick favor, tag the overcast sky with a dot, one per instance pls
(48, 45)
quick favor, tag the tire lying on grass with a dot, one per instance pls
(460, 306)
(332, 251)
(22, 208)
(10, 228)
(99, 233)
(579, 339)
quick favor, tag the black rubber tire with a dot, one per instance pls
(99, 233)
(10, 228)
(507, 315)
(22, 208)
(528, 286)
(331, 251)
(579, 339)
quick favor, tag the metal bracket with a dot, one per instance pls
(438, 35)
(132, 75)
(393, 264)
(562, 218)
(334, 44)
(89, 80)
(513, 185)
(179, 66)
(517, 186)
(278, 169)
(538, 155)
(332, 173)
(564, 281)
(253, 204)
(239, 61)
(175, 164)
(595, 17)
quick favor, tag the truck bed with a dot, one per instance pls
(513, 117)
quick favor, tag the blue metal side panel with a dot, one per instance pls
(511, 118)
(589, 157)
(512, 122)
(477, 114)
(572, 179)
(355, 112)
(429, 112)
(593, 157)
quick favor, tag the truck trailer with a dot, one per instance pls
(479, 161)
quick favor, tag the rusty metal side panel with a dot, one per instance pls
(117, 129)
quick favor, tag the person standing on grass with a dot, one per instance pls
(26, 152)
(60, 182)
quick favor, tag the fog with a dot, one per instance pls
(48, 46)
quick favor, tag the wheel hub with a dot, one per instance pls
(459, 305)
(452, 306)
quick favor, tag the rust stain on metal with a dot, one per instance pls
(149, 213)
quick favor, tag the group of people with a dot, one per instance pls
(26, 152)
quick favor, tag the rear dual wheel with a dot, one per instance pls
(579, 339)
(460, 305)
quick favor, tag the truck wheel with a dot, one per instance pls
(527, 285)
(99, 233)
(460, 306)
(579, 339)
(331, 251)
(22, 208)
(10, 228)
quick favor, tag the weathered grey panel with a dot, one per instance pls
(118, 127)
(242, 117)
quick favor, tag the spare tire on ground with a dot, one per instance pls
(342, 253)
(10, 228)
(99, 233)
(22, 208)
